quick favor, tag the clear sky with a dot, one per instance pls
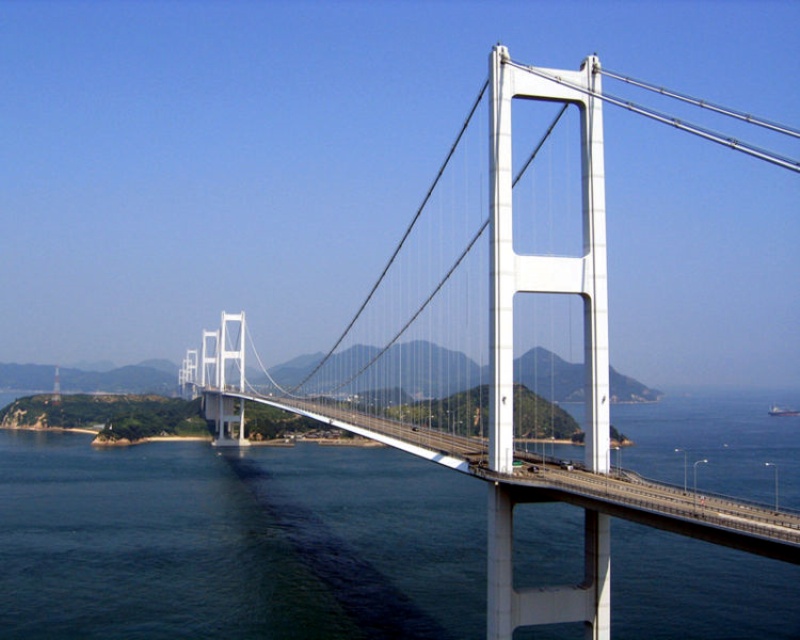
(163, 161)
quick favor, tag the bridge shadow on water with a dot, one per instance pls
(376, 606)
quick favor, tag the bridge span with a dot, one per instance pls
(462, 278)
(726, 521)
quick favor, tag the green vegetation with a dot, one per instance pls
(267, 423)
(134, 417)
(114, 416)
(616, 437)
(467, 412)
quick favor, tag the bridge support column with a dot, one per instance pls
(512, 273)
(509, 608)
(230, 349)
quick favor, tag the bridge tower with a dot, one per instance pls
(57, 387)
(230, 348)
(509, 608)
(208, 360)
(187, 376)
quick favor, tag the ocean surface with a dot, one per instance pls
(179, 540)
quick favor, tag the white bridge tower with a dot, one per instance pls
(187, 376)
(589, 602)
(227, 360)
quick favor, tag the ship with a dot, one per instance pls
(778, 411)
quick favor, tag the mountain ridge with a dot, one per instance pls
(448, 372)
(445, 372)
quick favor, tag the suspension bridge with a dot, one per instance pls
(508, 247)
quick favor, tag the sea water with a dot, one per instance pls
(179, 540)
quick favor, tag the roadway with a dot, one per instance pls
(728, 521)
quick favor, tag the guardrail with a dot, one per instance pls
(758, 521)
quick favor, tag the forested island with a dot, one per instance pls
(128, 419)
(113, 418)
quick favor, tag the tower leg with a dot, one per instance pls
(500, 574)
(509, 608)
(597, 532)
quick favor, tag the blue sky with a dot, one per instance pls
(164, 161)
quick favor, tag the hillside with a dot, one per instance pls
(466, 412)
(556, 379)
(397, 369)
(136, 417)
(448, 372)
(116, 417)
(130, 379)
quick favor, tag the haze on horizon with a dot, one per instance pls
(167, 161)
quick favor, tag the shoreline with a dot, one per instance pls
(124, 442)
(96, 432)
(323, 442)
(34, 427)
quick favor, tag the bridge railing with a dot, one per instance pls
(634, 476)
(759, 521)
(770, 525)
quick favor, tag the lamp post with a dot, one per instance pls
(619, 460)
(685, 468)
(773, 464)
(695, 481)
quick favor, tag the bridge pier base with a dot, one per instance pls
(221, 409)
(509, 608)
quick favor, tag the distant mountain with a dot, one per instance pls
(292, 372)
(553, 378)
(161, 365)
(97, 365)
(446, 372)
(129, 379)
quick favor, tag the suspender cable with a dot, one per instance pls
(419, 310)
(703, 104)
(402, 240)
(263, 369)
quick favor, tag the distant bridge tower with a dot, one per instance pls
(187, 375)
(509, 608)
(208, 359)
(57, 387)
(230, 358)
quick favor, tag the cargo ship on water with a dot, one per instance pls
(778, 411)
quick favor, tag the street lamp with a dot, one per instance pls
(695, 480)
(773, 464)
(685, 468)
(619, 460)
(609, 467)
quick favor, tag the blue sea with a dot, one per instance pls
(179, 540)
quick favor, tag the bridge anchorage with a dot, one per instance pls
(219, 374)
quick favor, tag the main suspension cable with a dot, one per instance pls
(421, 308)
(707, 134)
(540, 145)
(402, 240)
(263, 369)
(704, 104)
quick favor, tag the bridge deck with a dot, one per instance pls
(727, 521)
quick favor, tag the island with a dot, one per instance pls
(124, 419)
